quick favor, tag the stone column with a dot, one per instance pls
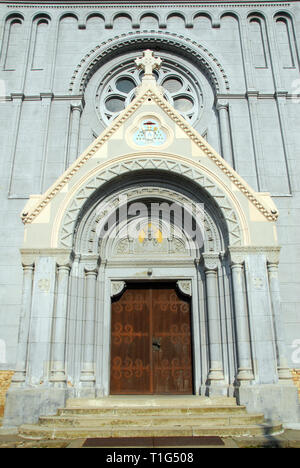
(222, 108)
(245, 373)
(75, 116)
(87, 377)
(19, 377)
(216, 374)
(284, 373)
(58, 365)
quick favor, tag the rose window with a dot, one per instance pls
(181, 90)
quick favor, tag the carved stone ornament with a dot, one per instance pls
(211, 261)
(149, 133)
(44, 285)
(258, 282)
(237, 258)
(238, 254)
(149, 244)
(148, 62)
(117, 287)
(273, 255)
(91, 263)
(185, 286)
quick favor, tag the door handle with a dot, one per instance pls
(156, 343)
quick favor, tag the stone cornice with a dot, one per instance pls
(239, 254)
(149, 4)
(62, 256)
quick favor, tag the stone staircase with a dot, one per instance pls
(149, 417)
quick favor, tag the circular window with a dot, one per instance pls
(125, 85)
(183, 104)
(115, 104)
(118, 89)
(172, 85)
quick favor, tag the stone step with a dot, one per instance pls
(42, 432)
(141, 401)
(150, 410)
(217, 419)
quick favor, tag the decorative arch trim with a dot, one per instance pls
(197, 52)
(70, 210)
(86, 239)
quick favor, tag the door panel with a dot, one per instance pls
(151, 342)
(172, 369)
(130, 350)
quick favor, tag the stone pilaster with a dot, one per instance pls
(223, 111)
(244, 358)
(284, 373)
(211, 265)
(19, 377)
(58, 365)
(75, 116)
(87, 377)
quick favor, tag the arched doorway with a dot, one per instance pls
(149, 235)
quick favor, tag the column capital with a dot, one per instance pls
(77, 107)
(272, 267)
(221, 104)
(91, 264)
(221, 100)
(273, 255)
(28, 267)
(28, 260)
(64, 268)
(237, 256)
(211, 261)
(78, 101)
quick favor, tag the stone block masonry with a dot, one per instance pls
(5, 380)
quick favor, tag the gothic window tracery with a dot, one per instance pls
(118, 89)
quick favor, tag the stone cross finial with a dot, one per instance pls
(148, 63)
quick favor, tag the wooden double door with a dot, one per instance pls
(151, 350)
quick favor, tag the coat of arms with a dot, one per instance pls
(149, 133)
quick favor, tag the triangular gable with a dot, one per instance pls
(148, 90)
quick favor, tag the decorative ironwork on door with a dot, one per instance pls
(151, 342)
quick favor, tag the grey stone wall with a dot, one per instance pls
(47, 119)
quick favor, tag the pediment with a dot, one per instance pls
(130, 130)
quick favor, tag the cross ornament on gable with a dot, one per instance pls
(148, 63)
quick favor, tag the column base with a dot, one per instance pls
(19, 379)
(285, 376)
(277, 402)
(87, 387)
(58, 378)
(215, 385)
(244, 376)
(216, 389)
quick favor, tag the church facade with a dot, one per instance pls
(150, 202)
